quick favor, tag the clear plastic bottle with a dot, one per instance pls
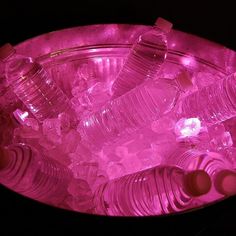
(211, 162)
(129, 112)
(155, 191)
(32, 85)
(212, 104)
(144, 60)
(193, 159)
(34, 176)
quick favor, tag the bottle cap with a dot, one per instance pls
(163, 24)
(184, 80)
(6, 50)
(225, 182)
(197, 183)
(4, 158)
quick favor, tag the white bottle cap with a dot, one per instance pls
(225, 182)
(6, 50)
(163, 24)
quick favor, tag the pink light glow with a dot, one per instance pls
(92, 69)
(188, 61)
(187, 127)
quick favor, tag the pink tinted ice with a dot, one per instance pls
(74, 58)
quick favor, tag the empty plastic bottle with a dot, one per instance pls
(145, 58)
(37, 177)
(212, 104)
(32, 85)
(155, 191)
(131, 111)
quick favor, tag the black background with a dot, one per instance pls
(21, 20)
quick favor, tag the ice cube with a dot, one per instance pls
(121, 151)
(95, 96)
(70, 141)
(221, 141)
(102, 178)
(115, 170)
(52, 130)
(85, 170)
(163, 125)
(149, 158)
(81, 196)
(137, 144)
(203, 79)
(45, 143)
(27, 132)
(79, 86)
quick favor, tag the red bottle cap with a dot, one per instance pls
(197, 183)
(6, 50)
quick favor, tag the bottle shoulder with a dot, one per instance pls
(18, 66)
(153, 35)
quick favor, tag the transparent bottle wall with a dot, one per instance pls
(84, 62)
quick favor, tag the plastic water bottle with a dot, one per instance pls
(155, 191)
(193, 159)
(34, 176)
(131, 111)
(144, 60)
(211, 162)
(32, 85)
(212, 104)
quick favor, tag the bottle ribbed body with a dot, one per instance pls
(143, 62)
(133, 110)
(36, 177)
(153, 191)
(212, 104)
(192, 159)
(34, 87)
(39, 93)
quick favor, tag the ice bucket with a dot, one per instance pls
(97, 53)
